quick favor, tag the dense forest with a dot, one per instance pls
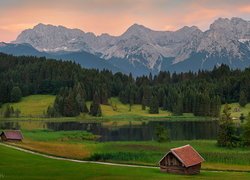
(201, 93)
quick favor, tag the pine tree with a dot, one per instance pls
(95, 107)
(143, 103)
(8, 111)
(17, 113)
(243, 99)
(165, 103)
(226, 137)
(246, 132)
(215, 106)
(178, 107)
(154, 106)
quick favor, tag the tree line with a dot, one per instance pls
(201, 93)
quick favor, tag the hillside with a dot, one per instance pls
(32, 106)
(36, 106)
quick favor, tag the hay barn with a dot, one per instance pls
(181, 160)
(11, 135)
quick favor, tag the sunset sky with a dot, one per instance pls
(115, 16)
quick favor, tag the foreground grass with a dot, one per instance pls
(19, 165)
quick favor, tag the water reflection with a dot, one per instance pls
(143, 131)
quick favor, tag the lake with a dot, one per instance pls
(127, 131)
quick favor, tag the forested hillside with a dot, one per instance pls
(200, 93)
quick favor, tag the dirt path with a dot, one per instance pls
(74, 160)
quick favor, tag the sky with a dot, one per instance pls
(115, 16)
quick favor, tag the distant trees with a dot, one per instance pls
(69, 102)
(200, 93)
(11, 112)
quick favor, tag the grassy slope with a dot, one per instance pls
(19, 165)
(34, 105)
(123, 110)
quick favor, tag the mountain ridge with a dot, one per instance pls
(226, 39)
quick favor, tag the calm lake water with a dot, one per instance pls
(131, 131)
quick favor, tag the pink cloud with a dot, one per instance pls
(114, 17)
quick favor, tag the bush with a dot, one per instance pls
(16, 94)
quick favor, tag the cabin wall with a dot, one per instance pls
(181, 169)
(170, 160)
(171, 164)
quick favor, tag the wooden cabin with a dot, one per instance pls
(11, 135)
(181, 160)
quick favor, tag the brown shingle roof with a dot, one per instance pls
(187, 155)
(13, 134)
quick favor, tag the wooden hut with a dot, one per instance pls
(11, 135)
(181, 160)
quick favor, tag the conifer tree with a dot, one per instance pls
(226, 137)
(246, 132)
(243, 98)
(95, 107)
(154, 106)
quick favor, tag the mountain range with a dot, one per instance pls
(140, 50)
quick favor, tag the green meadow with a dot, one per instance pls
(34, 107)
(20, 165)
(83, 145)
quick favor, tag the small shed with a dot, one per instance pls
(181, 160)
(11, 135)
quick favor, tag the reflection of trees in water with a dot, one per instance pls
(187, 130)
(178, 130)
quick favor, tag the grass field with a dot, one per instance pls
(123, 110)
(33, 106)
(19, 165)
(79, 145)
